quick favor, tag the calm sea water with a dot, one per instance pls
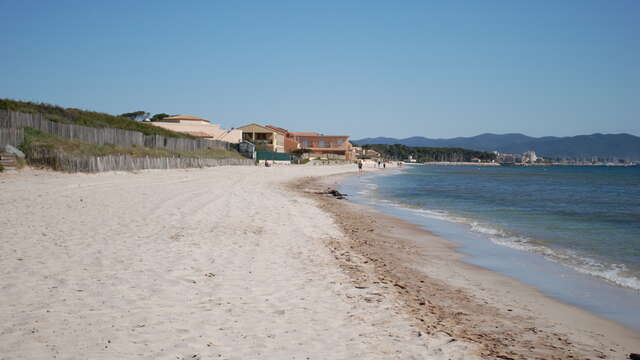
(587, 218)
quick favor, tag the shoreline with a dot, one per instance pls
(445, 294)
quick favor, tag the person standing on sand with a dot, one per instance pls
(359, 167)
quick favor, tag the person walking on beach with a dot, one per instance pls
(359, 167)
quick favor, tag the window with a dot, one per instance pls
(323, 144)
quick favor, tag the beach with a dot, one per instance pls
(205, 263)
(252, 263)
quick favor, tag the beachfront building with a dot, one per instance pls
(325, 146)
(263, 137)
(372, 154)
(290, 143)
(198, 127)
(509, 158)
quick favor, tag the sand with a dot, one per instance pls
(218, 263)
(252, 263)
(507, 319)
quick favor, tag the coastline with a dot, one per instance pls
(250, 262)
(441, 293)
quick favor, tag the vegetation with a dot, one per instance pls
(20, 162)
(160, 116)
(136, 115)
(35, 138)
(87, 118)
(423, 154)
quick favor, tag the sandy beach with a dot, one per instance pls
(207, 263)
(253, 263)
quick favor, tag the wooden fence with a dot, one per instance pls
(76, 163)
(11, 137)
(118, 137)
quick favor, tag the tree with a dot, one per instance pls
(137, 115)
(423, 154)
(159, 116)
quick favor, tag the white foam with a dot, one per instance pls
(615, 273)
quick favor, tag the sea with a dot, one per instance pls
(573, 232)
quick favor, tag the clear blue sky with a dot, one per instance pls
(360, 68)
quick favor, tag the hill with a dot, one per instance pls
(620, 146)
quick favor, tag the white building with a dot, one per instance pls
(529, 156)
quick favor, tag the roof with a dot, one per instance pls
(321, 149)
(252, 126)
(324, 136)
(185, 117)
(300, 133)
(278, 129)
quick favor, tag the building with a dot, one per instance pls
(509, 158)
(198, 127)
(290, 143)
(325, 146)
(370, 153)
(263, 137)
(529, 156)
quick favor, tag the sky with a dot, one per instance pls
(360, 68)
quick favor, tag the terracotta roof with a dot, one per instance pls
(326, 149)
(299, 133)
(278, 129)
(185, 117)
(324, 136)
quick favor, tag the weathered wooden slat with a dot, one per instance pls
(11, 137)
(75, 163)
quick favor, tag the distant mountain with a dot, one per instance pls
(621, 146)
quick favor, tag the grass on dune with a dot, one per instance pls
(35, 138)
(86, 118)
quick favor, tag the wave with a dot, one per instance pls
(617, 274)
